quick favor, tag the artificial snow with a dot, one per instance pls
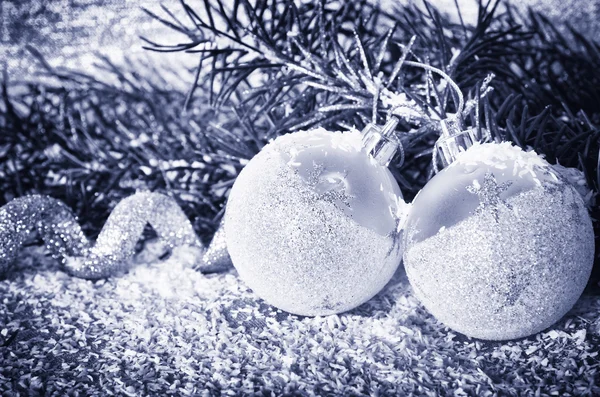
(165, 329)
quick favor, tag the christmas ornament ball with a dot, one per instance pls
(312, 223)
(498, 245)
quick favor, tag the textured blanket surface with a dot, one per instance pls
(165, 329)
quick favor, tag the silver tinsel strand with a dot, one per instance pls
(216, 258)
(51, 218)
(115, 245)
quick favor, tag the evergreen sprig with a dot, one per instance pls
(344, 56)
(284, 67)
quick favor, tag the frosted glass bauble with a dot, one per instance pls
(498, 245)
(312, 223)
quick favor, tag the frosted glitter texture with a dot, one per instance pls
(216, 257)
(51, 218)
(124, 228)
(498, 245)
(116, 243)
(312, 223)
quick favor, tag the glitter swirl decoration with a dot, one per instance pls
(216, 257)
(498, 245)
(51, 218)
(64, 239)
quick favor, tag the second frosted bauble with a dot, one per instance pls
(498, 245)
(312, 223)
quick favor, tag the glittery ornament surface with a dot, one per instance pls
(312, 223)
(116, 243)
(51, 218)
(498, 245)
(216, 257)
(576, 178)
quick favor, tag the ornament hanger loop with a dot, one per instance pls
(454, 138)
(455, 87)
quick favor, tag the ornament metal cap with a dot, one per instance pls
(454, 140)
(381, 142)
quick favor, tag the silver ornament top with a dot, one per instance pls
(381, 142)
(454, 140)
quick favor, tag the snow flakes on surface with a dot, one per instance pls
(164, 329)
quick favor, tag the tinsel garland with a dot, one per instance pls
(111, 254)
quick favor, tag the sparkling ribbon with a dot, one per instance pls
(115, 246)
